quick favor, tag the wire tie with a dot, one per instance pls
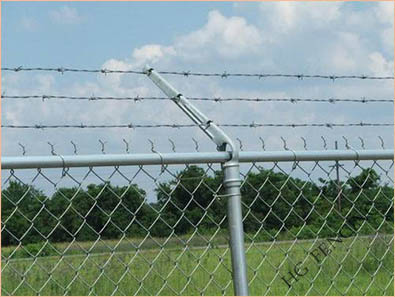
(331, 100)
(149, 71)
(382, 142)
(64, 169)
(105, 71)
(186, 73)
(18, 68)
(196, 144)
(127, 145)
(178, 97)
(328, 125)
(75, 147)
(61, 70)
(224, 75)
(23, 148)
(130, 125)
(173, 146)
(207, 124)
(137, 98)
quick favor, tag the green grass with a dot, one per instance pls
(356, 266)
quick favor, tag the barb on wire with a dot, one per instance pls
(163, 166)
(102, 143)
(252, 125)
(152, 146)
(52, 148)
(138, 98)
(362, 142)
(196, 144)
(382, 142)
(263, 142)
(23, 148)
(346, 142)
(240, 144)
(173, 146)
(304, 142)
(75, 147)
(284, 143)
(324, 140)
(126, 144)
(222, 74)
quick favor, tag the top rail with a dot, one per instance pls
(59, 161)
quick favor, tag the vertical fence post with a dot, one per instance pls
(232, 184)
(231, 180)
(338, 182)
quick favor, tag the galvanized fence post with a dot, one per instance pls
(231, 181)
(232, 184)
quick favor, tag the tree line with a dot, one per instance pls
(273, 203)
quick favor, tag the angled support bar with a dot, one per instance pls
(216, 134)
(232, 181)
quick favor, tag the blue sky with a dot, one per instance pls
(310, 38)
(101, 30)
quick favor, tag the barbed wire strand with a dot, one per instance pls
(252, 125)
(224, 74)
(213, 99)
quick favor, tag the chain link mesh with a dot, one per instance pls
(162, 230)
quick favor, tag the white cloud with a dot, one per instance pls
(309, 38)
(385, 12)
(152, 53)
(65, 15)
(286, 16)
(387, 36)
(113, 80)
(44, 82)
(29, 24)
(379, 65)
(229, 37)
(345, 53)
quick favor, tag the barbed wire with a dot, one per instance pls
(224, 74)
(214, 99)
(252, 125)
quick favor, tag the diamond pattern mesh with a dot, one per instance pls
(162, 230)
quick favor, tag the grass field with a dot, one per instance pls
(356, 266)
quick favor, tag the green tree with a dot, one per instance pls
(190, 201)
(22, 212)
(113, 211)
(275, 200)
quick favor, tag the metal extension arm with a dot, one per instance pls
(215, 133)
(231, 182)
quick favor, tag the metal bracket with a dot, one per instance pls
(216, 134)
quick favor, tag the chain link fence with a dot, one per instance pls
(315, 223)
